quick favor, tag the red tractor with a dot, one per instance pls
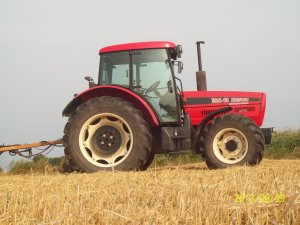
(138, 109)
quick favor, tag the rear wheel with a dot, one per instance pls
(70, 165)
(148, 161)
(232, 140)
(156, 148)
(105, 133)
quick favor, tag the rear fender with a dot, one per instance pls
(114, 91)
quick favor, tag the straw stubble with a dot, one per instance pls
(183, 194)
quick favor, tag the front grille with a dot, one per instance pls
(206, 112)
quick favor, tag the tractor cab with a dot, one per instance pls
(147, 71)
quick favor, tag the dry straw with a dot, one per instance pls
(186, 194)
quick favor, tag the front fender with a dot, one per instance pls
(114, 91)
(201, 126)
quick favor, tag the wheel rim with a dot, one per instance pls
(230, 145)
(105, 140)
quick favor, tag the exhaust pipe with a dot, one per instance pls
(200, 75)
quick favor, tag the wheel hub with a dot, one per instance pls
(108, 139)
(231, 145)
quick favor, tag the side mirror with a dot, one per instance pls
(179, 64)
(180, 67)
(90, 80)
(178, 51)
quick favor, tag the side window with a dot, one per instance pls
(120, 74)
(114, 68)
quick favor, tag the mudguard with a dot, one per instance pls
(114, 91)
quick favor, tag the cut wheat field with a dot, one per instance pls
(179, 194)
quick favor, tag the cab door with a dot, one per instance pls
(152, 77)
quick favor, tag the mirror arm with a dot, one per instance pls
(90, 80)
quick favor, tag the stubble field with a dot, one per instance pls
(181, 194)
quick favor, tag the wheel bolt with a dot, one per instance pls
(111, 137)
(102, 143)
(109, 144)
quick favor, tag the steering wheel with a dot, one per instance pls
(153, 88)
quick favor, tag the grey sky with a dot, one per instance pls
(47, 47)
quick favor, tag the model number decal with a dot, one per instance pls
(230, 100)
(219, 100)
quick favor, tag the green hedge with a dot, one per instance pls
(285, 144)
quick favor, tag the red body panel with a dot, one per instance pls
(198, 104)
(138, 45)
(114, 91)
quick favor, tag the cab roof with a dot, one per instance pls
(138, 45)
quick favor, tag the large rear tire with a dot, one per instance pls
(107, 133)
(70, 165)
(231, 140)
(156, 148)
(148, 161)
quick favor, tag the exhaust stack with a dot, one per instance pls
(200, 75)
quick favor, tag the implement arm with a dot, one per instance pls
(28, 146)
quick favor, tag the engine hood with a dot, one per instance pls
(222, 97)
(251, 104)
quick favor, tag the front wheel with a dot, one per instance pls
(231, 140)
(106, 133)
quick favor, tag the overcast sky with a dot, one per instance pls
(47, 47)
